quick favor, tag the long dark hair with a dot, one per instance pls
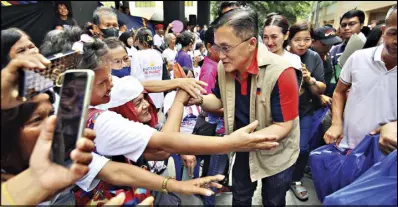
(373, 38)
(8, 38)
(125, 36)
(144, 36)
(185, 38)
(279, 21)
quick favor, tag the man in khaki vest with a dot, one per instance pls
(254, 84)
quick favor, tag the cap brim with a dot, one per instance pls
(332, 41)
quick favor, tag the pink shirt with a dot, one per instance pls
(208, 73)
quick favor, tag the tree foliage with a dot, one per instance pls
(292, 10)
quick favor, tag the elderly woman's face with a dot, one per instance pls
(32, 128)
(23, 46)
(141, 107)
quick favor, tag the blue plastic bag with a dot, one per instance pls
(316, 139)
(377, 186)
(332, 168)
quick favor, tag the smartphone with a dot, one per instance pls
(74, 100)
(34, 81)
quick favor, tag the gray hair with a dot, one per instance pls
(168, 37)
(390, 11)
(102, 11)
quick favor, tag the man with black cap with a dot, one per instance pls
(324, 38)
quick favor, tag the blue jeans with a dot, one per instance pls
(306, 124)
(273, 190)
(217, 165)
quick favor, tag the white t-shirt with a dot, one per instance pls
(196, 71)
(190, 115)
(89, 182)
(158, 40)
(372, 100)
(170, 54)
(131, 51)
(293, 58)
(148, 65)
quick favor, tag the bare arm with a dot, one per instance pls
(338, 102)
(280, 129)
(318, 88)
(190, 85)
(211, 103)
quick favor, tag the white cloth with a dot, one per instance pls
(170, 54)
(131, 51)
(293, 58)
(117, 135)
(190, 115)
(196, 71)
(89, 182)
(148, 65)
(124, 90)
(372, 100)
(158, 40)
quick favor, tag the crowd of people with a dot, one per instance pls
(238, 94)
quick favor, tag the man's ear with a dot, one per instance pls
(383, 29)
(253, 43)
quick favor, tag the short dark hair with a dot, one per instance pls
(354, 13)
(373, 38)
(185, 38)
(279, 21)
(144, 36)
(244, 22)
(125, 36)
(209, 36)
(298, 27)
(226, 4)
(8, 38)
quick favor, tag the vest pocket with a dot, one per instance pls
(273, 151)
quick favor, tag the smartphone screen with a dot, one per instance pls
(70, 118)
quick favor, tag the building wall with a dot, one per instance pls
(158, 8)
(374, 10)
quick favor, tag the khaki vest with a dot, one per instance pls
(263, 163)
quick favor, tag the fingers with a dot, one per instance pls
(376, 131)
(89, 134)
(209, 179)
(32, 61)
(266, 145)
(77, 171)
(147, 202)
(41, 97)
(81, 157)
(250, 128)
(119, 200)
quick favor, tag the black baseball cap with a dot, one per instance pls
(326, 35)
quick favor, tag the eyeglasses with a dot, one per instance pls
(350, 24)
(119, 62)
(226, 49)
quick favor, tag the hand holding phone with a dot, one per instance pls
(75, 98)
(34, 80)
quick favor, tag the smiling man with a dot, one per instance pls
(255, 84)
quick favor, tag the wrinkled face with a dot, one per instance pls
(62, 10)
(23, 47)
(102, 84)
(350, 26)
(120, 58)
(319, 47)
(301, 42)
(108, 21)
(390, 35)
(32, 128)
(141, 107)
(172, 40)
(273, 38)
(235, 53)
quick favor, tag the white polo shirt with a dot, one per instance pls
(372, 100)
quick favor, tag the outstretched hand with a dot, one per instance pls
(191, 86)
(247, 141)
